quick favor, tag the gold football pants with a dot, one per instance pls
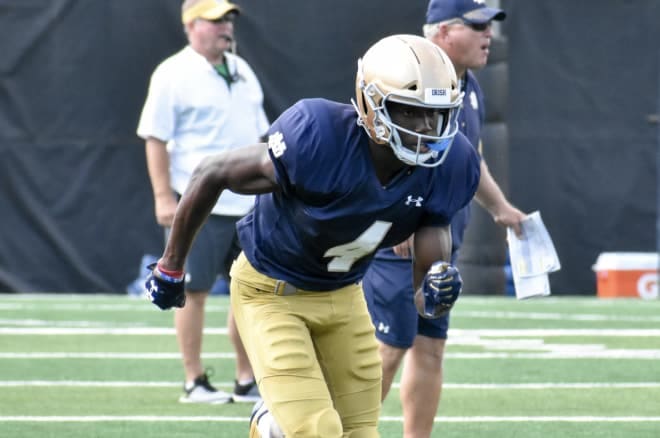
(314, 355)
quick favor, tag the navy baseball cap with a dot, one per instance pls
(472, 11)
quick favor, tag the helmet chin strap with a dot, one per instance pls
(439, 145)
(409, 156)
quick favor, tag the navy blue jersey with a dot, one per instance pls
(321, 229)
(473, 111)
(470, 121)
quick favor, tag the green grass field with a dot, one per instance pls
(79, 366)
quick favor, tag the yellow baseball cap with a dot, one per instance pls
(206, 9)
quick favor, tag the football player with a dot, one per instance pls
(335, 183)
(462, 28)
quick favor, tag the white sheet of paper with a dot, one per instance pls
(532, 257)
(534, 286)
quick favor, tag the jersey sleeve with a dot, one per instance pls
(293, 145)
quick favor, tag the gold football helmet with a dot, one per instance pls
(410, 70)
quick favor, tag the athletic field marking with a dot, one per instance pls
(600, 354)
(519, 333)
(49, 323)
(463, 333)
(69, 355)
(554, 316)
(152, 418)
(145, 306)
(112, 331)
(523, 386)
(138, 306)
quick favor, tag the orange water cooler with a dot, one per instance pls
(627, 275)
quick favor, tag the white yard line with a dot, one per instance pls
(535, 386)
(106, 355)
(572, 354)
(488, 343)
(478, 419)
(118, 331)
(604, 354)
(137, 306)
(515, 333)
(522, 386)
(556, 316)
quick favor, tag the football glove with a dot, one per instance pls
(163, 290)
(439, 291)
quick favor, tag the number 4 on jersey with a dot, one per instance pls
(345, 255)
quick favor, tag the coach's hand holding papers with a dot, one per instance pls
(532, 257)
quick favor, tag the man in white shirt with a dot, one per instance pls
(203, 100)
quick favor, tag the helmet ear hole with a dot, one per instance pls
(443, 120)
(363, 101)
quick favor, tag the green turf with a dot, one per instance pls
(62, 396)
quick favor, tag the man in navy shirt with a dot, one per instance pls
(462, 28)
(335, 183)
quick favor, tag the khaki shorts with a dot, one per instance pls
(314, 355)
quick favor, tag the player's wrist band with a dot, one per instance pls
(173, 276)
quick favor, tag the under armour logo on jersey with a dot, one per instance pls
(417, 201)
(276, 144)
(383, 328)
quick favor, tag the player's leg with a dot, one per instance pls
(421, 380)
(349, 357)
(421, 386)
(391, 357)
(388, 291)
(279, 344)
(188, 324)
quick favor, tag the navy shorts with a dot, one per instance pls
(212, 253)
(390, 297)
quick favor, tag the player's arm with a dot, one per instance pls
(490, 196)
(246, 170)
(436, 282)
(431, 244)
(158, 165)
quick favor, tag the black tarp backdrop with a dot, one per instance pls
(74, 193)
(582, 85)
(303, 48)
(76, 202)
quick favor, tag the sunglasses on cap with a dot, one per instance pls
(477, 27)
(227, 18)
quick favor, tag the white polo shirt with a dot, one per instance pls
(190, 106)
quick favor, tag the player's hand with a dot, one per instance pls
(439, 291)
(510, 216)
(163, 290)
(404, 249)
